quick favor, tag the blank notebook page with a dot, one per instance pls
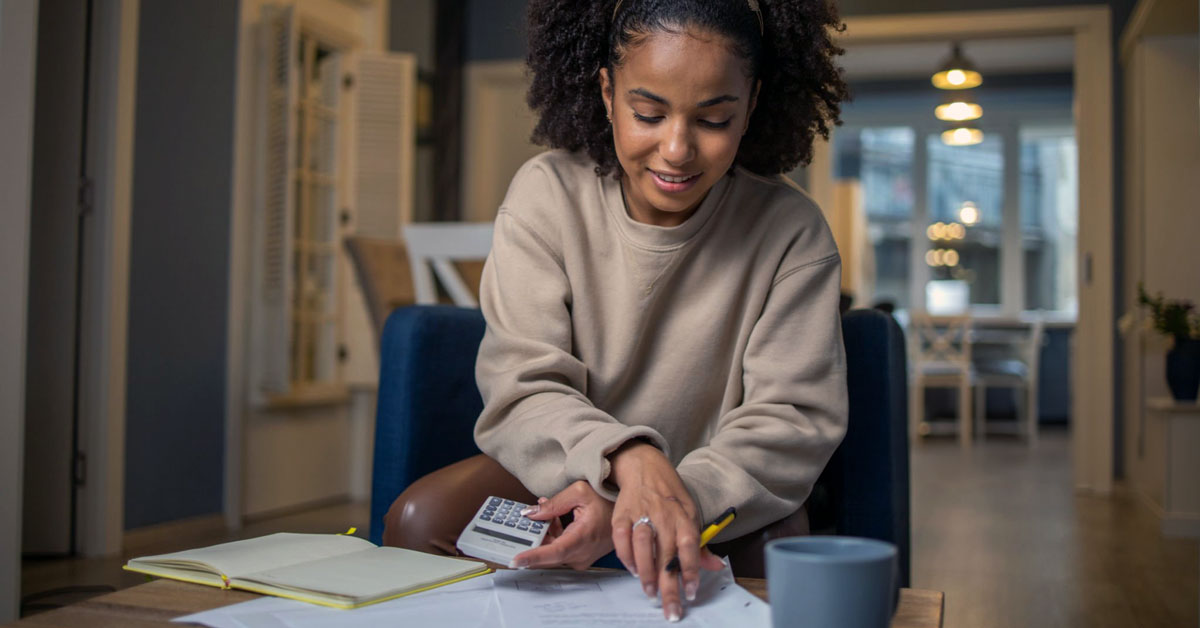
(273, 551)
(368, 574)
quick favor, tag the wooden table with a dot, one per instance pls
(157, 602)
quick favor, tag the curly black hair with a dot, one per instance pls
(793, 55)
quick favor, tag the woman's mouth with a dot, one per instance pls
(674, 182)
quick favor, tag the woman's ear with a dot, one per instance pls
(606, 91)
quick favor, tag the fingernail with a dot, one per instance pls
(649, 589)
(676, 614)
(529, 510)
(518, 564)
(690, 591)
(542, 500)
(633, 572)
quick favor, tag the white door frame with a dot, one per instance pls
(1092, 345)
(106, 276)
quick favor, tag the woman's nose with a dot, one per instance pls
(677, 148)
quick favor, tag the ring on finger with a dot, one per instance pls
(645, 521)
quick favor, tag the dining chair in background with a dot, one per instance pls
(1018, 372)
(433, 248)
(940, 355)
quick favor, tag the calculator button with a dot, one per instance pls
(510, 524)
(536, 526)
(509, 502)
(495, 501)
(485, 518)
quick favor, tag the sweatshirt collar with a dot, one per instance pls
(653, 236)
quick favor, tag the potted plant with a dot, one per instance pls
(1175, 318)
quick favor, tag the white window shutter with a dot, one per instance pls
(385, 142)
(276, 150)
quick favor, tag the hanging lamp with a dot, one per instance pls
(957, 72)
(958, 75)
(959, 107)
(962, 136)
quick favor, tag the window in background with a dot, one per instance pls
(1049, 217)
(960, 174)
(882, 158)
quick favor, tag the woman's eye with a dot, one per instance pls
(711, 124)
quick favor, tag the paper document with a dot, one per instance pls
(467, 604)
(555, 598)
(559, 598)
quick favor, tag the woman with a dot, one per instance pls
(663, 338)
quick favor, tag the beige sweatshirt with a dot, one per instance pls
(719, 340)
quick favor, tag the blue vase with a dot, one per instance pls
(1183, 369)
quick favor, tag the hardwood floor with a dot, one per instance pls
(997, 528)
(1000, 531)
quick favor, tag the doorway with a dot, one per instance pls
(1092, 351)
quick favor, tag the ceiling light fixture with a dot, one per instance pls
(969, 213)
(957, 72)
(958, 107)
(962, 136)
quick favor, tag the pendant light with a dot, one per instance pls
(958, 75)
(956, 72)
(959, 107)
(962, 136)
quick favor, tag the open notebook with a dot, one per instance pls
(334, 570)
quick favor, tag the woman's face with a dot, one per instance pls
(679, 105)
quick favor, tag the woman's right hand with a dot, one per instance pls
(650, 488)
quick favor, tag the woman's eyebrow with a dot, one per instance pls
(645, 93)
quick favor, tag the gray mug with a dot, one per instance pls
(831, 582)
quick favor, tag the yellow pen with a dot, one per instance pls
(709, 532)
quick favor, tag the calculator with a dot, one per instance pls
(498, 531)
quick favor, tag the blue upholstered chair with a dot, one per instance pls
(428, 403)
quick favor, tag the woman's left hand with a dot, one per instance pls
(650, 490)
(587, 538)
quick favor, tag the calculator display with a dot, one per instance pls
(501, 535)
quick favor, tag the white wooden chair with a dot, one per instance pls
(941, 358)
(434, 247)
(1019, 373)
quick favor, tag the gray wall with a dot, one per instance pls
(18, 44)
(495, 30)
(179, 263)
(412, 29)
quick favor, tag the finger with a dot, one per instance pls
(551, 554)
(668, 581)
(710, 561)
(643, 559)
(622, 534)
(689, 562)
(547, 508)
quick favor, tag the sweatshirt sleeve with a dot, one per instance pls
(537, 421)
(767, 453)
